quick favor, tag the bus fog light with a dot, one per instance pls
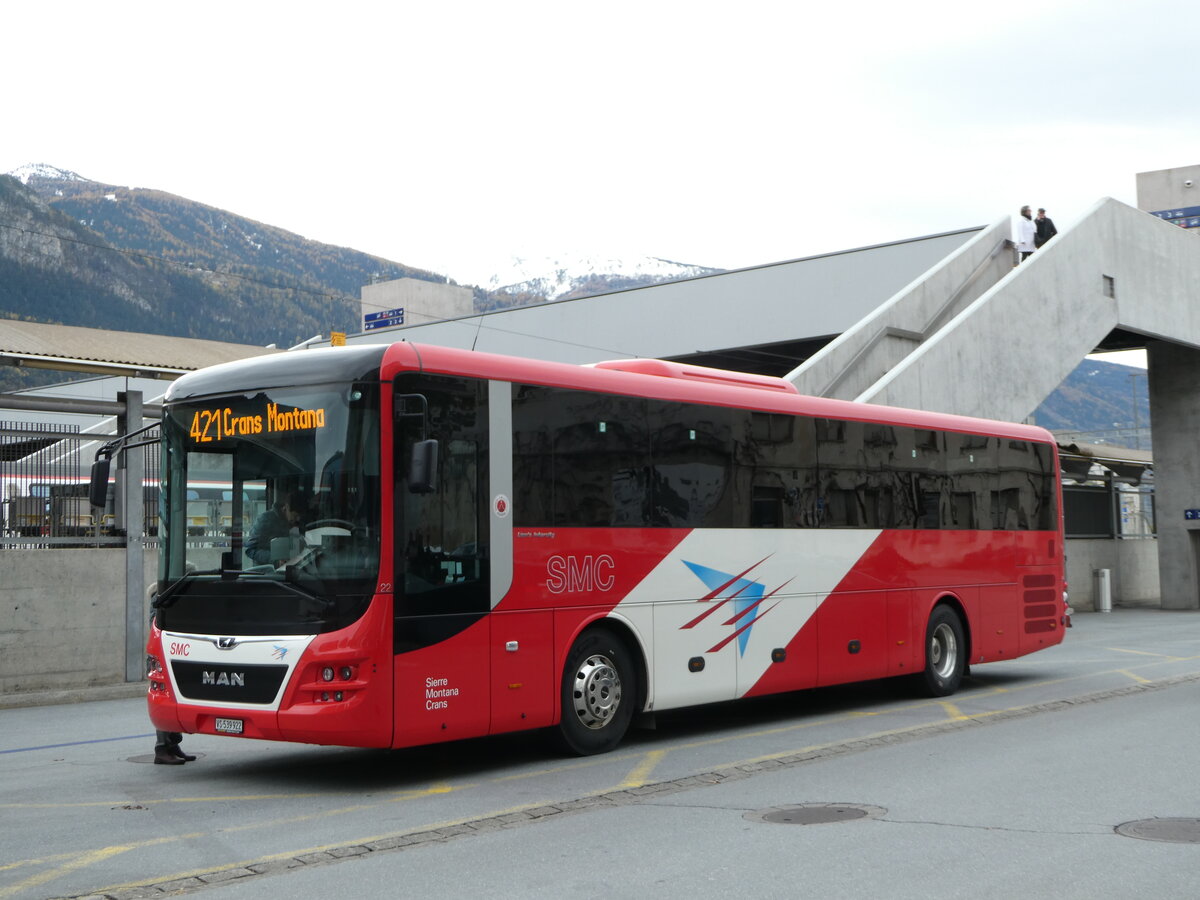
(153, 666)
(327, 673)
(337, 695)
(347, 673)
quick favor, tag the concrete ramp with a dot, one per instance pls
(848, 365)
(975, 336)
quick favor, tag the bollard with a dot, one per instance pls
(1102, 598)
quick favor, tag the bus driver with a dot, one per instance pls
(281, 520)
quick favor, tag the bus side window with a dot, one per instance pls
(691, 465)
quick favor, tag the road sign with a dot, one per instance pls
(385, 314)
(382, 323)
(388, 318)
(1184, 217)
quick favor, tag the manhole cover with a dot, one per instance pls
(1174, 831)
(815, 813)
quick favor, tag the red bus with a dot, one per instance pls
(427, 544)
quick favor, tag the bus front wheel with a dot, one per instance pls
(599, 690)
(945, 652)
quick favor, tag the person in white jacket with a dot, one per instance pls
(1025, 233)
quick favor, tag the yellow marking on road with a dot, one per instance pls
(322, 848)
(441, 788)
(216, 798)
(638, 774)
(1163, 656)
(951, 710)
(82, 860)
(1138, 678)
(38, 861)
(892, 732)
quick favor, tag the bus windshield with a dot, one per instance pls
(269, 510)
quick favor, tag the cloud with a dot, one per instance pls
(710, 134)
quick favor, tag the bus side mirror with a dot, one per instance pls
(98, 489)
(422, 468)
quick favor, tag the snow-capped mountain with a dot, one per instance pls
(559, 277)
(41, 170)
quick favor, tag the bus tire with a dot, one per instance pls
(599, 692)
(945, 652)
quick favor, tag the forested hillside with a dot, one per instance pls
(82, 253)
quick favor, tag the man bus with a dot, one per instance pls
(486, 544)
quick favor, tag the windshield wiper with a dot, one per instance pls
(168, 597)
(165, 598)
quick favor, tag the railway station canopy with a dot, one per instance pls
(101, 352)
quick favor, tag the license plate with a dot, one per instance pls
(229, 726)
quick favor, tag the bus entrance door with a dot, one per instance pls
(522, 677)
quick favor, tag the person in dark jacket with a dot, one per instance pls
(281, 520)
(1045, 228)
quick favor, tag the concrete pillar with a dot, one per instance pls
(1174, 374)
(131, 472)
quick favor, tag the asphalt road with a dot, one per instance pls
(1011, 788)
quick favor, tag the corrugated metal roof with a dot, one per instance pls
(70, 348)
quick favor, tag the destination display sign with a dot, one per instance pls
(258, 417)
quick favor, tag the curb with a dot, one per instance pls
(22, 699)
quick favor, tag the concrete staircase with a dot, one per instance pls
(976, 336)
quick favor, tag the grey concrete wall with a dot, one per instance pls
(1168, 189)
(1137, 574)
(62, 618)
(1174, 373)
(1134, 568)
(422, 301)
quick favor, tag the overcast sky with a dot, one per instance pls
(447, 135)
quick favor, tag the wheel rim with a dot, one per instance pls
(943, 651)
(597, 691)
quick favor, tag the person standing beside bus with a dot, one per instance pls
(167, 751)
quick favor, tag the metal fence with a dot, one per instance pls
(45, 469)
(1108, 511)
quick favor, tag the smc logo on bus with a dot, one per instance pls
(574, 574)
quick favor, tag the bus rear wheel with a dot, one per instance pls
(599, 691)
(945, 652)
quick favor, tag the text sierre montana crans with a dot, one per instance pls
(436, 692)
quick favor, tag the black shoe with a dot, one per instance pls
(175, 751)
(164, 757)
